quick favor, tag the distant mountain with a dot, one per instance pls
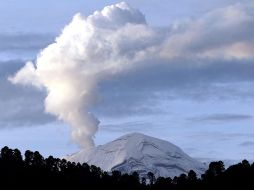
(141, 153)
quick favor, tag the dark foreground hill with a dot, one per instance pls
(32, 171)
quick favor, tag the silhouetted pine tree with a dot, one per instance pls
(35, 172)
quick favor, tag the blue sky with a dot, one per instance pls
(206, 110)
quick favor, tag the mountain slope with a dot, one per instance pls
(141, 153)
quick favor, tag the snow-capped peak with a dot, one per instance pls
(141, 153)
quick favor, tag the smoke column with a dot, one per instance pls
(89, 50)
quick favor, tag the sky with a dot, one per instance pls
(189, 74)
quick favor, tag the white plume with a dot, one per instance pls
(88, 50)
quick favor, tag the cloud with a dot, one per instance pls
(24, 112)
(143, 90)
(24, 41)
(117, 41)
(247, 144)
(22, 45)
(224, 33)
(225, 117)
(127, 127)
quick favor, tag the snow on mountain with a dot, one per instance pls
(141, 153)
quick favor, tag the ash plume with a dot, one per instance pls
(89, 50)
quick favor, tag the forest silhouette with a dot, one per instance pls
(33, 171)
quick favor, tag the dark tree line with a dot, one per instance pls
(32, 171)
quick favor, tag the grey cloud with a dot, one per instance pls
(22, 45)
(247, 144)
(214, 36)
(225, 33)
(138, 91)
(221, 136)
(20, 106)
(128, 126)
(24, 41)
(180, 74)
(221, 118)
(26, 112)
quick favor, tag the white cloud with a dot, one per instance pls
(225, 33)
